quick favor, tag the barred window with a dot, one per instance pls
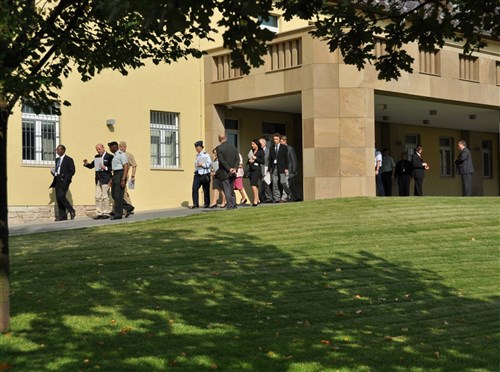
(164, 129)
(40, 136)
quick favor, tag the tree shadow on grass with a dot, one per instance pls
(178, 300)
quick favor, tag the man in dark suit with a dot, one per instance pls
(465, 167)
(229, 161)
(418, 171)
(102, 165)
(264, 190)
(278, 167)
(403, 175)
(63, 174)
(292, 170)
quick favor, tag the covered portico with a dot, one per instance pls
(342, 112)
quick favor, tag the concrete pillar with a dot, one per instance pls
(338, 129)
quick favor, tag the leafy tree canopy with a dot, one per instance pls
(43, 41)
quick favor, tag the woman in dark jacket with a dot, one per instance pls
(256, 158)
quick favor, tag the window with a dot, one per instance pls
(271, 23)
(430, 62)
(498, 73)
(379, 47)
(487, 159)
(164, 128)
(285, 54)
(40, 136)
(446, 156)
(232, 131)
(469, 68)
(411, 142)
(223, 69)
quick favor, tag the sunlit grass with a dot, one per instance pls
(356, 284)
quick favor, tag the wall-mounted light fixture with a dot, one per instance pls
(472, 117)
(425, 121)
(386, 118)
(433, 112)
(110, 122)
(382, 106)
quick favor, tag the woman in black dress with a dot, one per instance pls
(256, 158)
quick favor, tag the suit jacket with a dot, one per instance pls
(464, 162)
(67, 170)
(228, 157)
(281, 157)
(418, 171)
(103, 176)
(292, 162)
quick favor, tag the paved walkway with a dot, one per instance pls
(80, 222)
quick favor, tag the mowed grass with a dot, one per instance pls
(361, 284)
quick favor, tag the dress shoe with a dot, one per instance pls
(116, 218)
(255, 204)
(223, 206)
(60, 219)
(128, 213)
(213, 206)
(194, 207)
(104, 217)
(72, 214)
(98, 217)
(243, 202)
(206, 206)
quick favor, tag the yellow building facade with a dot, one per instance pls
(332, 113)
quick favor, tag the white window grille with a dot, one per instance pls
(40, 136)
(164, 129)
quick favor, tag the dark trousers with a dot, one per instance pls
(294, 196)
(466, 184)
(118, 191)
(418, 188)
(404, 185)
(228, 188)
(63, 204)
(197, 183)
(265, 191)
(387, 181)
(379, 184)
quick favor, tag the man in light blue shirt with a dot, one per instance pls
(201, 178)
(120, 171)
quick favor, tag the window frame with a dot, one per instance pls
(487, 151)
(446, 163)
(160, 159)
(41, 154)
(265, 24)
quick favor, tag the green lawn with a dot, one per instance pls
(361, 284)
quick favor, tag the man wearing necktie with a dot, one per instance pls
(102, 166)
(63, 174)
(278, 167)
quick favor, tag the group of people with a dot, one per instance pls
(386, 170)
(111, 174)
(271, 171)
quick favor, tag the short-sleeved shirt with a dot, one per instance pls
(131, 159)
(119, 160)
